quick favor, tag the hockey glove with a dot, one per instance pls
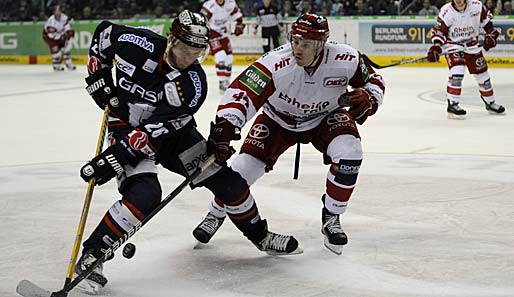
(239, 29)
(491, 37)
(362, 104)
(108, 164)
(222, 132)
(434, 52)
(101, 87)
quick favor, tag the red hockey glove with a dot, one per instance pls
(222, 132)
(239, 29)
(434, 52)
(491, 37)
(362, 105)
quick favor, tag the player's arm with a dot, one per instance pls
(100, 84)
(237, 16)
(491, 34)
(438, 34)
(368, 92)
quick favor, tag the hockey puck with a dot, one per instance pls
(129, 250)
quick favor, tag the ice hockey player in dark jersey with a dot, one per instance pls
(159, 86)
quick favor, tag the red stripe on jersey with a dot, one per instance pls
(133, 209)
(244, 216)
(453, 91)
(112, 227)
(339, 194)
(487, 93)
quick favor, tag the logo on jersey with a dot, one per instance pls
(255, 79)
(138, 140)
(340, 120)
(282, 63)
(137, 40)
(136, 89)
(335, 82)
(306, 108)
(124, 66)
(480, 62)
(93, 64)
(198, 87)
(344, 57)
(259, 131)
(149, 66)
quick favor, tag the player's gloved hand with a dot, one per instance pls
(362, 104)
(490, 39)
(222, 132)
(434, 52)
(69, 34)
(109, 163)
(239, 29)
(100, 86)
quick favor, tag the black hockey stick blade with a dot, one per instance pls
(27, 288)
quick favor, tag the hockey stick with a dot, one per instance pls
(27, 288)
(444, 53)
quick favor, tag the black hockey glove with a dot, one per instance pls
(109, 163)
(101, 87)
(222, 132)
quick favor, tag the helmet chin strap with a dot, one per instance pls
(169, 57)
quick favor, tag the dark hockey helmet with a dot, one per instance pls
(191, 28)
(311, 26)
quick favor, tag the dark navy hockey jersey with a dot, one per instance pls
(153, 95)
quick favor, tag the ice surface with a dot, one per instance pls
(432, 214)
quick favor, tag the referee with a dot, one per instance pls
(269, 18)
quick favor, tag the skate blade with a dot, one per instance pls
(27, 288)
(497, 113)
(334, 248)
(275, 253)
(199, 245)
(453, 116)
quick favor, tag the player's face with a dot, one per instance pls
(459, 3)
(304, 50)
(183, 55)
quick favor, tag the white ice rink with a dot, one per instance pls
(432, 214)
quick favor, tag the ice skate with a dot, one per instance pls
(223, 86)
(58, 67)
(493, 107)
(335, 238)
(455, 112)
(277, 244)
(94, 281)
(207, 228)
(70, 66)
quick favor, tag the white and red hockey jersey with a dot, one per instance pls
(55, 29)
(460, 29)
(297, 99)
(218, 16)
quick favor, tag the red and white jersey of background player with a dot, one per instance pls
(288, 94)
(55, 29)
(219, 16)
(459, 30)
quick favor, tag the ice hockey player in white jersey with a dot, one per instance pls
(301, 88)
(219, 14)
(57, 34)
(457, 29)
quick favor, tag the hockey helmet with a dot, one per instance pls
(191, 28)
(311, 26)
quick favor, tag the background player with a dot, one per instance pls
(57, 33)
(457, 28)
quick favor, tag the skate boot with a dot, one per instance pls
(223, 86)
(493, 107)
(277, 244)
(455, 112)
(58, 67)
(335, 238)
(207, 228)
(94, 281)
(70, 66)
